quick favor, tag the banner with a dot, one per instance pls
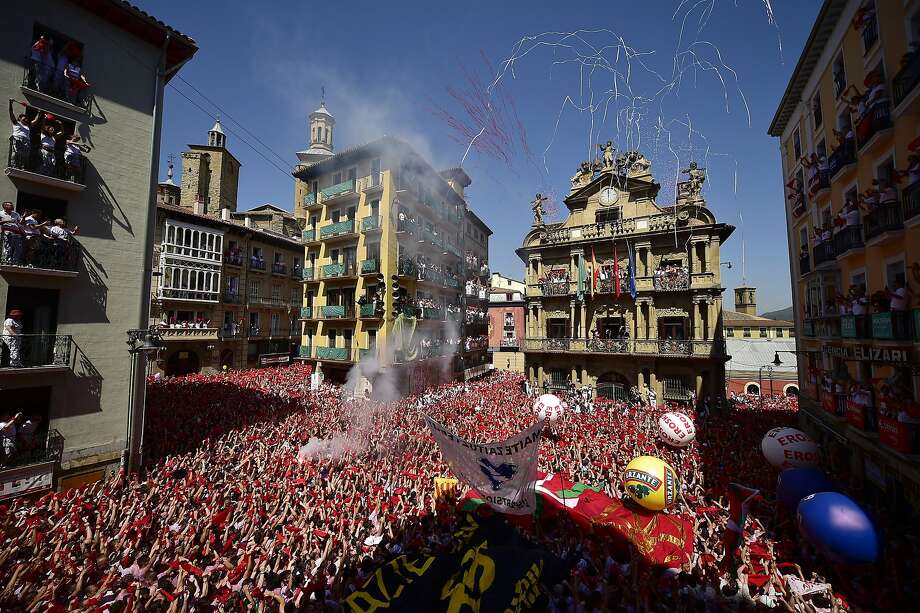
(503, 473)
(490, 568)
(445, 488)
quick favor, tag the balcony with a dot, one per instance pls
(279, 268)
(306, 312)
(233, 259)
(187, 295)
(510, 343)
(338, 270)
(869, 34)
(891, 325)
(876, 120)
(609, 345)
(431, 313)
(188, 334)
(671, 280)
(46, 168)
(256, 264)
(255, 332)
(307, 274)
(622, 346)
(555, 288)
(305, 351)
(850, 238)
(310, 200)
(232, 298)
(675, 347)
(906, 80)
(370, 266)
(912, 201)
(308, 236)
(855, 326)
(297, 272)
(842, 157)
(339, 190)
(407, 268)
(824, 254)
(231, 331)
(78, 100)
(883, 218)
(269, 301)
(804, 265)
(451, 282)
(370, 182)
(370, 311)
(478, 343)
(42, 256)
(338, 229)
(333, 353)
(337, 311)
(47, 352)
(372, 223)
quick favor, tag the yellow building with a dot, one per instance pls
(666, 335)
(379, 219)
(846, 124)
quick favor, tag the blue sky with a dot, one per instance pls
(701, 79)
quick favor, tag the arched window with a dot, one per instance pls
(751, 388)
(184, 283)
(791, 390)
(170, 234)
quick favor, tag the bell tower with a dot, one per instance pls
(746, 300)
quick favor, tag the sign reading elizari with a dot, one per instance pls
(503, 473)
(868, 353)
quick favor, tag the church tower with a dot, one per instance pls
(210, 175)
(746, 300)
(322, 124)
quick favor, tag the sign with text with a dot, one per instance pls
(274, 358)
(26, 480)
(868, 353)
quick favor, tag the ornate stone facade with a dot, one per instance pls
(624, 292)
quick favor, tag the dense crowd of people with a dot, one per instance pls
(259, 493)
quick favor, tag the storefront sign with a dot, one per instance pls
(856, 415)
(276, 358)
(894, 434)
(868, 353)
(26, 480)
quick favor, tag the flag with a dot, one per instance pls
(740, 501)
(489, 567)
(632, 270)
(663, 540)
(503, 472)
(594, 272)
(616, 273)
(445, 489)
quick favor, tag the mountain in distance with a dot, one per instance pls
(780, 314)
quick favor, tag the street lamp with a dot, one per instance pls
(769, 368)
(143, 344)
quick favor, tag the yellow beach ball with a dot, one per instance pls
(650, 482)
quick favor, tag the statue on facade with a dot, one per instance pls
(608, 155)
(583, 175)
(537, 207)
(632, 163)
(692, 188)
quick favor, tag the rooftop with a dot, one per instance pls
(230, 225)
(749, 354)
(744, 318)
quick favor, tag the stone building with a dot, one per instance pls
(625, 292)
(81, 296)
(228, 284)
(506, 323)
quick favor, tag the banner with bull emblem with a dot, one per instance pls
(503, 472)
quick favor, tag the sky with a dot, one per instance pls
(534, 86)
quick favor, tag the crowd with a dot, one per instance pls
(57, 73)
(262, 494)
(41, 142)
(672, 277)
(28, 239)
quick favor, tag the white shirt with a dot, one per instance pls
(21, 132)
(899, 301)
(11, 326)
(60, 233)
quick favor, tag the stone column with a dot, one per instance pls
(698, 332)
(572, 320)
(699, 385)
(640, 323)
(712, 315)
(583, 330)
(652, 321)
(540, 376)
(575, 374)
(653, 384)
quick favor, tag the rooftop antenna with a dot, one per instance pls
(743, 265)
(322, 95)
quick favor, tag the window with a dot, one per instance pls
(779, 333)
(791, 333)
(558, 377)
(746, 332)
(330, 338)
(257, 253)
(730, 332)
(803, 238)
(796, 146)
(763, 333)
(352, 174)
(608, 215)
(816, 110)
(840, 75)
(372, 337)
(894, 274)
(375, 172)
(254, 322)
(275, 324)
(337, 178)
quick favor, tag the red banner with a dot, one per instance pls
(894, 434)
(856, 415)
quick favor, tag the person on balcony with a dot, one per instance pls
(76, 80)
(42, 64)
(61, 243)
(51, 132)
(11, 228)
(73, 158)
(912, 172)
(900, 297)
(8, 435)
(22, 135)
(12, 337)
(888, 193)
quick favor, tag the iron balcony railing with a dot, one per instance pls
(855, 326)
(675, 347)
(337, 311)
(254, 332)
(229, 331)
(431, 313)
(232, 298)
(193, 295)
(308, 274)
(371, 222)
(305, 351)
(671, 281)
(308, 236)
(339, 189)
(40, 79)
(370, 266)
(878, 118)
(850, 237)
(339, 269)
(42, 446)
(555, 288)
(662, 347)
(842, 156)
(891, 325)
(255, 264)
(40, 252)
(906, 80)
(309, 199)
(279, 268)
(883, 218)
(804, 265)
(50, 164)
(452, 282)
(339, 228)
(824, 253)
(306, 312)
(406, 268)
(869, 34)
(510, 343)
(271, 301)
(912, 200)
(35, 350)
(609, 345)
(333, 353)
(297, 272)
(233, 259)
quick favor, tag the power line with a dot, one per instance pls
(224, 113)
(243, 140)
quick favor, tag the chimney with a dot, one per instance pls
(247, 221)
(746, 300)
(225, 214)
(198, 207)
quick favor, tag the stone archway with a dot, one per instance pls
(791, 390)
(751, 388)
(613, 386)
(183, 362)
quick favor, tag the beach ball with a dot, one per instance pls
(677, 429)
(548, 406)
(651, 482)
(793, 484)
(838, 527)
(789, 448)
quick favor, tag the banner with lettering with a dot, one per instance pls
(503, 473)
(490, 568)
